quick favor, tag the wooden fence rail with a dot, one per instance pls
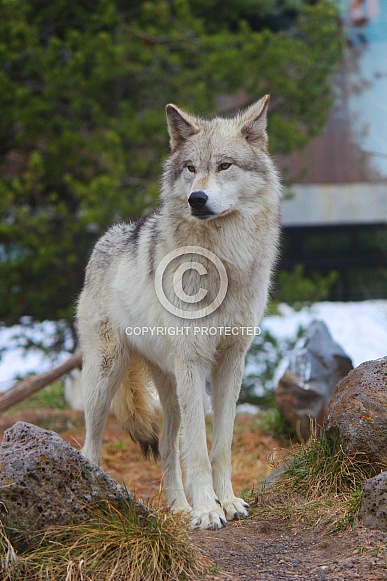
(23, 389)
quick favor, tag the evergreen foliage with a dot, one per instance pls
(83, 87)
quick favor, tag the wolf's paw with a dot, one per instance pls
(183, 507)
(212, 519)
(235, 508)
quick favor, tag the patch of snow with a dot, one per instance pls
(29, 348)
(359, 327)
(247, 408)
(72, 390)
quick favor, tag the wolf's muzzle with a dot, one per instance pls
(197, 200)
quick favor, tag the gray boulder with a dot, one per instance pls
(357, 414)
(44, 481)
(307, 386)
(373, 505)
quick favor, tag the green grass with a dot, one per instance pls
(320, 484)
(134, 544)
(50, 397)
(271, 421)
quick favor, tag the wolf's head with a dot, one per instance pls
(219, 165)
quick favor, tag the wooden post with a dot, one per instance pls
(23, 389)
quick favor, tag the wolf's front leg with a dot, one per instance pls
(207, 511)
(226, 382)
(169, 444)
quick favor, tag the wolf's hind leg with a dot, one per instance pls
(169, 443)
(104, 363)
(226, 383)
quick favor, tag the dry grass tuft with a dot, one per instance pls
(112, 545)
(320, 484)
(10, 563)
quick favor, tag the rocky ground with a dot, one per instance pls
(248, 550)
(275, 551)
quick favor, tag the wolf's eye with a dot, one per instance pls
(191, 168)
(224, 166)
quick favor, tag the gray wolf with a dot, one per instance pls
(220, 193)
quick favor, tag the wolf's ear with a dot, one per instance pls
(254, 121)
(181, 125)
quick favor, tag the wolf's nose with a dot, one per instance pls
(197, 199)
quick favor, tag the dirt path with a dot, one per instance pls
(249, 550)
(272, 551)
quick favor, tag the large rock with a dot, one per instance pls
(45, 481)
(373, 505)
(357, 414)
(306, 388)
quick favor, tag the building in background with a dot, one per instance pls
(336, 217)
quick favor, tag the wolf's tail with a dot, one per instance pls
(134, 408)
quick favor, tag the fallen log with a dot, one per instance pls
(26, 387)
